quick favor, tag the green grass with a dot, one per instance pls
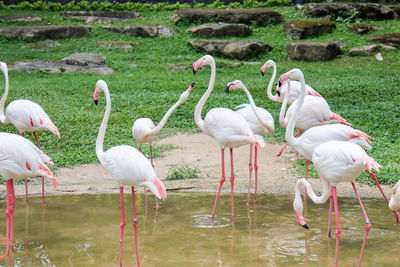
(362, 90)
(184, 171)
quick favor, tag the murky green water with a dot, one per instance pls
(83, 230)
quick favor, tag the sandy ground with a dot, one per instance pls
(201, 151)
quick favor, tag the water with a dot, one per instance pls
(83, 230)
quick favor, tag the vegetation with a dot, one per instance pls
(149, 79)
(182, 172)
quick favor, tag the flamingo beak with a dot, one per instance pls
(262, 73)
(278, 93)
(227, 90)
(190, 87)
(279, 83)
(96, 102)
(194, 72)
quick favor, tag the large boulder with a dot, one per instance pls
(260, 16)
(100, 16)
(220, 29)
(365, 50)
(231, 48)
(142, 30)
(360, 28)
(20, 18)
(117, 45)
(312, 51)
(392, 39)
(84, 59)
(43, 45)
(301, 29)
(45, 32)
(365, 11)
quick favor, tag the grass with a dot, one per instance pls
(183, 171)
(362, 90)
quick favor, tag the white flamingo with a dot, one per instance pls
(19, 158)
(394, 203)
(144, 130)
(260, 122)
(26, 116)
(127, 165)
(227, 127)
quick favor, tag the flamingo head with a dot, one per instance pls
(267, 64)
(184, 96)
(205, 60)
(294, 74)
(3, 67)
(233, 85)
(100, 86)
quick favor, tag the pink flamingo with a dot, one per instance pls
(127, 165)
(19, 158)
(26, 116)
(282, 89)
(260, 122)
(227, 127)
(144, 130)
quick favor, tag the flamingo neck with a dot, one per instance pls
(283, 121)
(298, 203)
(271, 83)
(103, 126)
(292, 121)
(3, 98)
(253, 106)
(197, 112)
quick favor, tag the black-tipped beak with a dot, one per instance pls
(279, 83)
(192, 85)
(96, 102)
(305, 226)
(227, 89)
(278, 93)
(194, 72)
(262, 73)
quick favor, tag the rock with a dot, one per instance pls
(339, 42)
(45, 44)
(91, 20)
(231, 48)
(118, 45)
(366, 50)
(108, 14)
(20, 18)
(361, 28)
(365, 11)
(392, 39)
(220, 29)
(396, 10)
(312, 50)
(142, 30)
(260, 16)
(84, 59)
(45, 32)
(388, 47)
(379, 57)
(301, 29)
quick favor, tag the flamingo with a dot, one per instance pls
(127, 165)
(394, 203)
(143, 129)
(227, 127)
(19, 158)
(281, 89)
(260, 122)
(26, 116)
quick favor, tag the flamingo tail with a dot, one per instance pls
(370, 163)
(315, 94)
(359, 133)
(160, 187)
(49, 173)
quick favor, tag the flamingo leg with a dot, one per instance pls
(280, 151)
(221, 182)
(255, 175)
(250, 171)
(396, 213)
(367, 223)
(145, 189)
(157, 206)
(284, 146)
(8, 210)
(26, 182)
(330, 215)
(135, 221)
(232, 183)
(338, 230)
(12, 207)
(38, 145)
(305, 189)
(122, 225)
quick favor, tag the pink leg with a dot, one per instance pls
(330, 215)
(135, 221)
(221, 182)
(8, 211)
(338, 230)
(26, 182)
(250, 171)
(232, 183)
(305, 189)
(122, 225)
(396, 213)
(12, 207)
(367, 224)
(255, 175)
(38, 145)
(280, 151)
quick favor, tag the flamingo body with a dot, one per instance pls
(394, 203)
(247, 113)
(141, 129)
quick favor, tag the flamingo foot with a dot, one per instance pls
(301, 220)
(295, 158)
(247, 204)
(397, 214)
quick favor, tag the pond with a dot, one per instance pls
(83, 230)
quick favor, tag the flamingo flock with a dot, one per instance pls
(336, 149)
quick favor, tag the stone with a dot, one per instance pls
(45, 32)
(366, 50)
(365, 10)
(259, 16)
(220, 29)
(388, 47)
(108, 14)
(339, 42)
(20, 18)
(84, 59)
(379, 57)
(118, 45)
(301, 29)
(231, 48)
(312, 51)
(142, 30)
(45, 44)
(90, 20)
(361, 28)
(392, 39)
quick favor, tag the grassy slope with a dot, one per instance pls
(364, 91)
